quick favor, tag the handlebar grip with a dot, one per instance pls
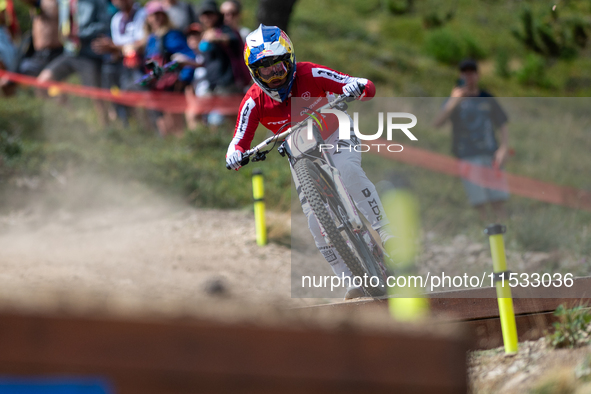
(244, 162)
(348, 99)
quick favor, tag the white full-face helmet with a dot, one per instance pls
(270, 58)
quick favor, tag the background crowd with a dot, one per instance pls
(108, 42)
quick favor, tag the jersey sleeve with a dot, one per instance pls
(246, 125)
(333, 81)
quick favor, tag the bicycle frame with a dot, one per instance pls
(317, 171)
(298, 146)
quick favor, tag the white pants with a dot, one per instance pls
(361, 189)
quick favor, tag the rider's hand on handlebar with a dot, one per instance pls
(354, 89)
(234, 160)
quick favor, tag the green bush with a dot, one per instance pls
(445, 46)
(399, 7)
(10, 146)
(573, 328)
(472, 47)
(366, 7)
(20, 121)
(434, 19)
(502, 64)
(552, 36)
(449, 47)
(21, 117)
(533, 72)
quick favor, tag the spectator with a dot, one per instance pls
(9, 19)
(220, 45)
(45, 37)
(200, 86)
(181, 14)
(127, 34)
(232, 12)
(194, 34)
(8, 55)
(475, 115)
(163, 45)
(110, 72)
(111, 8)
(80, 22)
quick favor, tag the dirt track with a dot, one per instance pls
(106, 240)
(136, 248)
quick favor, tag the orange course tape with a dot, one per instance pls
(161, 101)
(490, 177)
(229, 105)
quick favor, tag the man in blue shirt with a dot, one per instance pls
(476, 116)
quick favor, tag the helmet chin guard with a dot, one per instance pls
(264, 47)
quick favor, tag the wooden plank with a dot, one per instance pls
(482, 303)
(477, 311)
(488, 334)
(482, 308)
(213, 357)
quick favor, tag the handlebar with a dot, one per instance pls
(278, 137)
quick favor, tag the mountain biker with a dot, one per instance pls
(277, 77)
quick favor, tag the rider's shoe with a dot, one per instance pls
(354, 292)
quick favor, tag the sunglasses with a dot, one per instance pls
(274, 72)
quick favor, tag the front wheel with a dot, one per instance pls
(351, 245)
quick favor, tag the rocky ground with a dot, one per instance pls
(462, 255)
(537, 368)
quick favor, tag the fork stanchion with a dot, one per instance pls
(497, 249)
(258, 192)
(405, 303)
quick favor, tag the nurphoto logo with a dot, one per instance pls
(345, 130)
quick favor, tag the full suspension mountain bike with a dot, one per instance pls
(321, 183)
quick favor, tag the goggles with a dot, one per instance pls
(274, 72)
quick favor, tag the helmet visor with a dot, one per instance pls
(273, 72)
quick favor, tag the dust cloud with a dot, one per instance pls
(89, 242)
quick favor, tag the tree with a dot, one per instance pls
(275, 12)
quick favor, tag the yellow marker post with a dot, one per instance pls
(258, 192)
(497, 249)
(403, 211)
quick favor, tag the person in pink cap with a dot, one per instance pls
(163, 45)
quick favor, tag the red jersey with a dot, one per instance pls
(312, 82)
